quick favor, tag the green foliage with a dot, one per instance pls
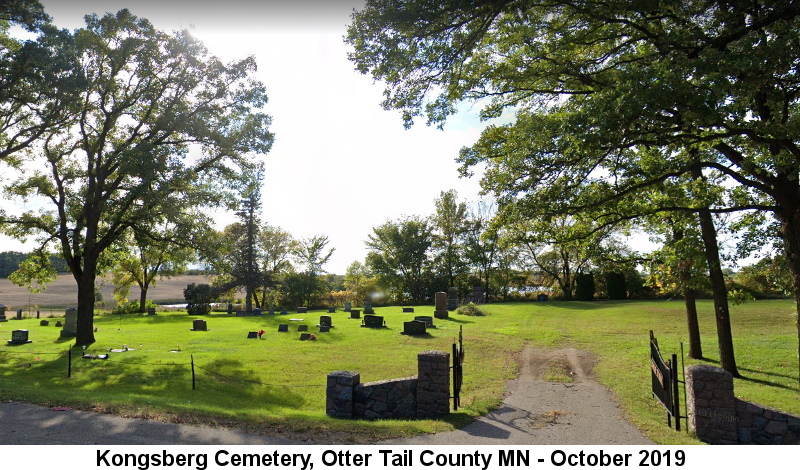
(471, 310)
(450, 224)
(132, 307)
(199, 298)
(34, 273)
(398, 257)
(616, 288)
(584, 287)
(769, 277)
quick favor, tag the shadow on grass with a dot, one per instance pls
(767, 383)
(456, 320)
(758, 381)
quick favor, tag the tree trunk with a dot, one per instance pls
(719, 293)
(85, 327)
(143, 297)
(790, 231)
(695, 346)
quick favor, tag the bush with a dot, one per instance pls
(131, 307)
(199, 298)
(616, 288)
(471, 310)
(584, 287)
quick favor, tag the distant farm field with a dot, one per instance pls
(63, 292)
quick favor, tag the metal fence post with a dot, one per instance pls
(192, 356)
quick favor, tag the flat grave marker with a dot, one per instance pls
(305, 336)
(324, 329)
(302, 309)
(252, 335)
(302, 327)
(408, 309)
(283, 328)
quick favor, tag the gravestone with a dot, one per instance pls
(70, 323)
(151, 311)
(542, 298)
(373, 321)
(368, 308)
(59, 324)
(302, 309)
(19, 337)
(452, 298)
(37, 314)
(331, 309)
(324, 329)
(199, 325)
(44, 323)
(283, 328)
(441, 305)
(302, 327)
(348, 306)
(230, 308)
(19, 315)
(241, 313)
(272, 312)
(325, 320)
(304, 336)
(478, 295)
(414, 328)
(408, 309)
(355, 313)
(3, 313)
(257, 312)
(427, 320)
(252, 335)
(284, 312)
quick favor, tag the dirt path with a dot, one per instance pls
(540, 410)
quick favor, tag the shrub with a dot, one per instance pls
(131, 307)
(199, 298)
(470, 310)
(615, 286)
(584, 287)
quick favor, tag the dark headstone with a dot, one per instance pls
(241, 313)
(452, 298)
(19, 337)
(302, 327)
(252, 335)
(331, 309)
(284, 312)
(199, 325)
(302, 309)
(59, 324)
(325, 320)
(44, 323)
(373, 321)
(414, 328)
(37, 314)
(368, 308)
(3, 313)
(230, 308)
(355, 313)
(478, 295)
(441, 301)
(348, 306)
(151, 311)
(542, 298)
(425, 319)
(304, 336)
(408, 309)
(324, 329)
(257, 312)
(19, 314)
(272, 312)
(283, 328)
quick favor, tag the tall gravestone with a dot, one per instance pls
(452, 298)
(478, 295)
(230, 308)
(441, 305)
(3, 313)
(70, 328)
(368, 307)
(19, 314)
(347, 306)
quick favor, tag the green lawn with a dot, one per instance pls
(278, 383)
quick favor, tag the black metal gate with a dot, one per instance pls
(665, 381)
(458, 368)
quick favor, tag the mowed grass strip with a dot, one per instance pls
(277, 384)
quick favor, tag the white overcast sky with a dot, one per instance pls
(340, 164)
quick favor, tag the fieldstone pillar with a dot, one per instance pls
(339, 393)
(433, 384)
(710, 404)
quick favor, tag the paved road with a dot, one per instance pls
(534, 412)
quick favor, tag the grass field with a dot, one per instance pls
(277, 384)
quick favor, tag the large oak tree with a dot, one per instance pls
(125, 159)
